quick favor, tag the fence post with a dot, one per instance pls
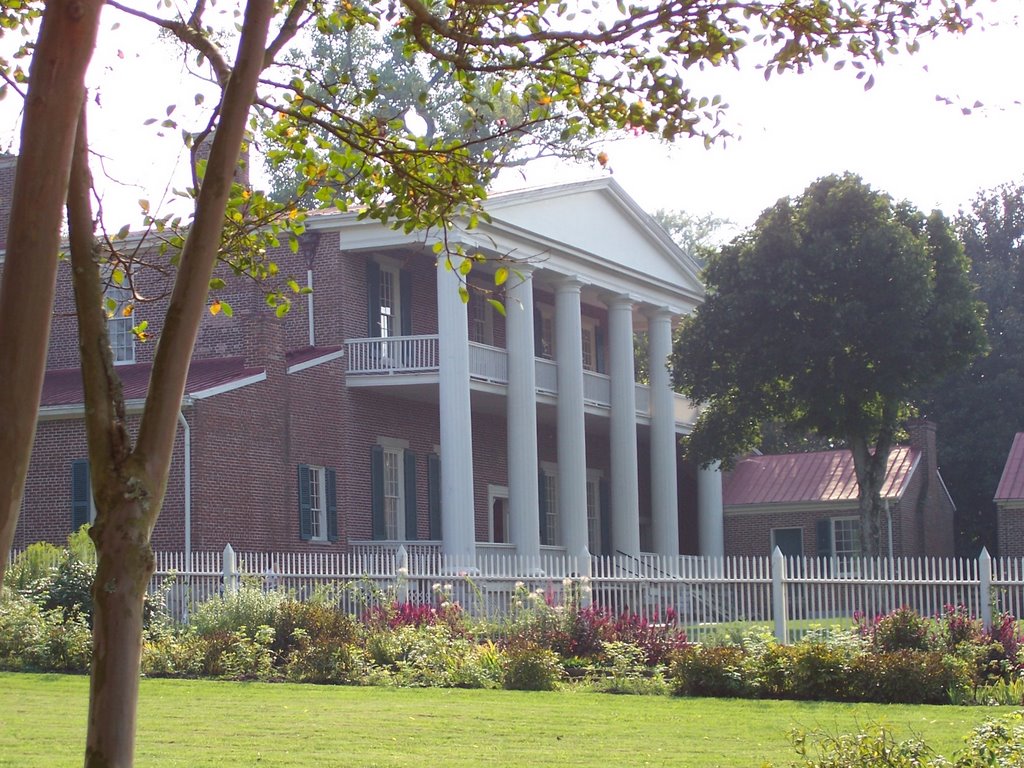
(230, 570)
(779, 595)
(402, 575)
(586, 585)
(985, 587)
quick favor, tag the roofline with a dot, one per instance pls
(910, 473)
(763, 508)
(228, 386)
(315, 361)
(75, 410)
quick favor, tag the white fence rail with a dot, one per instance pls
(789, 595)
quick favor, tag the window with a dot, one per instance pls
(394, 495)
(481, 318)
(83, 506)
(846, 537)
(393, 513)
(592, 340)
(390, 321)
(594, 513)
(117, 300)
(552, 536)
(318, 510)
(544, 331)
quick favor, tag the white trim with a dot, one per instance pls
(309, 307)
(77, 410)
(394, 443)
(228, 386)
(315, 361)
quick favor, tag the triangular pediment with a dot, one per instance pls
(598, 219)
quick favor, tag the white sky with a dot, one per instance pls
(790, 130)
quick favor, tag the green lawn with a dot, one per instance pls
(224, 725)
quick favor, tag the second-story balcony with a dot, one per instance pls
(415, 360)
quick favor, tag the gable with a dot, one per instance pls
(1011, 484)
(596, 219)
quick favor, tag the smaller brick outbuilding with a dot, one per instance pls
(806, 503)
(1009, 500)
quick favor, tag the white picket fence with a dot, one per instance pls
(787, 595)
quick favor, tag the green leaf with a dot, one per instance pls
(499, 307)
(500, 275)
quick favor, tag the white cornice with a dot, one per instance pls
(313, 362)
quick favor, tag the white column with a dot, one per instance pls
(625, 485)
(664, 496)
(458, 528)
(572, 447)
(710, 517)
(523, 485)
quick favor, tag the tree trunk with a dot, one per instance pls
(871, 464)
(67, 37)
(129, 484)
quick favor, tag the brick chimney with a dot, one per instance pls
(935, 525)
(8, 167)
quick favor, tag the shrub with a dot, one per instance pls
(37, 562)
(1004, 632)
(957, 627)
(248, 606)
(709, 671)
(339, 664)
(170, 653)
(626, 671)
(529, 667)
(317, 621)
(875, 747)
(995, 743)
(767, 666)
(67, 588)
(249, 655)
(820, 670)
(22, 629)
(902, 630)
(907, 677)
(66, 644)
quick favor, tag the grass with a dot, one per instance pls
(212, 724)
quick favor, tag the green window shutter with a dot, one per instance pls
(542, 507)
(434, 494)
(81, 491)
(599, 364)
(538, 333)
(824, 536)
(373, 298)
(605, 501)
(305, 512)
(410, 497)
(377, 527)
(331, 491)
(405, 297)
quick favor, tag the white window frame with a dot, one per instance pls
(317, 503)
(855, 524)
(494, 493)
(119, 327)
(481, 318)
(552, 522)
(588, 327)
(546, 317)
(393, 503)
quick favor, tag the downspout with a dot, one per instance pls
(309, 307)
(188, 491)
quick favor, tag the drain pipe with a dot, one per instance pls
(188, 491)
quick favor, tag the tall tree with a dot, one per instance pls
(596, 70)
(980, 409)
(831, 313)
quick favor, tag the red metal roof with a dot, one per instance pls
(824, 477)
(304, 354)
(64, 386)
(1011, 484)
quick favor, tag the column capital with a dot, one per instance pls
(619, 300)
(568, 284)
(657, 312)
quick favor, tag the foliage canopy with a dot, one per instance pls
(831, 313)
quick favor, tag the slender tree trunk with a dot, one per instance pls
(129, 484)
(67, 37)
(871, 463)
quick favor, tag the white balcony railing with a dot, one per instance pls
(419, 354)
